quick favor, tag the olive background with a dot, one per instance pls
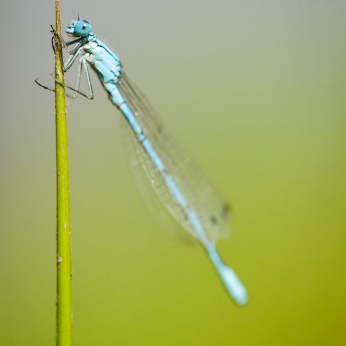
(255, 92)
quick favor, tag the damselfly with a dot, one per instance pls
(177, 182)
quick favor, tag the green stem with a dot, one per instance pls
(64, 269)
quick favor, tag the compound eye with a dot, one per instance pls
(82, 28)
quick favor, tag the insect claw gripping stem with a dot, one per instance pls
(73, 89)
(73, 55)
(43, 86)
(64, 85)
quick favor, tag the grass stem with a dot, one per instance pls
(64, 269)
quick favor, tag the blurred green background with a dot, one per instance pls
(255, 91)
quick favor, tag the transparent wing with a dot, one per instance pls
(134, 155)
(201, 197)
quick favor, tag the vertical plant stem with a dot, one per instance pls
(64, 274)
